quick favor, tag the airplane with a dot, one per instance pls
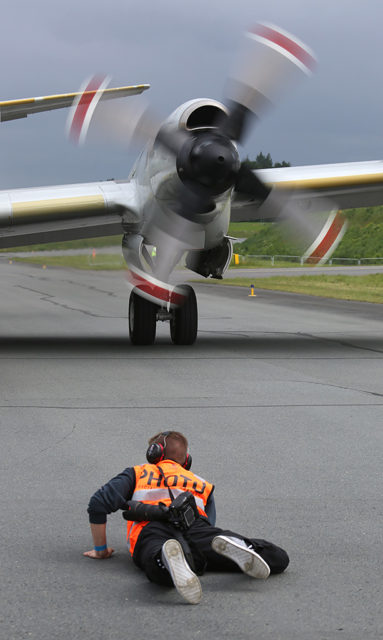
(188, 184)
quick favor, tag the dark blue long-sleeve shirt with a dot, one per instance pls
(114, 494)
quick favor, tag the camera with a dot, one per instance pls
(181, 513)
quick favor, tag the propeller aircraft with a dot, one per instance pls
(188, 184)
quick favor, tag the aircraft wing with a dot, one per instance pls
(67, 212)
(14, 109)
(349, 185)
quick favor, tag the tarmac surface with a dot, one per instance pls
(281, 399)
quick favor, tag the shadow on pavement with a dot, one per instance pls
(234, 345)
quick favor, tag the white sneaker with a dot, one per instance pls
(237, 550)
(185, 581)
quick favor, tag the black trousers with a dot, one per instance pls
(196, 544)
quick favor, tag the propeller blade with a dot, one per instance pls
(313, 224)
(249, 184)
(327, 240)
(128, 124)
(83, 108)
(237, 123)
(123, 124)
(173, 140)
(271, 61)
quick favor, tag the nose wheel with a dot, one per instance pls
(144, 314)
(142, 320)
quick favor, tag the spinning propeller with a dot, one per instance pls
(207, 161)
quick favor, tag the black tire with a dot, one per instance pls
(142, 320)
(184, 323)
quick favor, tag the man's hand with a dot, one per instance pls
(99, 540)
(99, 555)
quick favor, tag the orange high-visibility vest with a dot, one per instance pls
(151, 489)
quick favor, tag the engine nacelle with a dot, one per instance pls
(201, 113)
(185, 196)
(194, 116)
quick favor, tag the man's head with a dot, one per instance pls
(175, 445)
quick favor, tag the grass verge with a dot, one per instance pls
(366, 288)
(101, 262)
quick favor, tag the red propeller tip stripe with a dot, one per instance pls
(287, 43)
(329, 241)
(83, 106)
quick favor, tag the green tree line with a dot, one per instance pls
(264, 162)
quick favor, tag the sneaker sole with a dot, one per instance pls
(185, 581)
(248, 560)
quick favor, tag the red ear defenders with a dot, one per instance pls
(156, 453)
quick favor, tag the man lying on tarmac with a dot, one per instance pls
(171, 534)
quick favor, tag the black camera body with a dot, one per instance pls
(181, 513)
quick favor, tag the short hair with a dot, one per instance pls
(175, 444)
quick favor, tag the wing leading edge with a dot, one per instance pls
(14, 109)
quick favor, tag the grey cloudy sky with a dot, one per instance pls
(184, 50)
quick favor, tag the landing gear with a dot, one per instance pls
(144, 314)
(184, 320)
(142, 320)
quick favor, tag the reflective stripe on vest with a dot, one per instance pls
(160, 495)
(150, 488)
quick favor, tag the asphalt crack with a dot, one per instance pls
(77, 283)
(341, 342)
(40, 451)
(47, 297)
(338, 386)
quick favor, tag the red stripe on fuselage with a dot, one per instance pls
(286, 43)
